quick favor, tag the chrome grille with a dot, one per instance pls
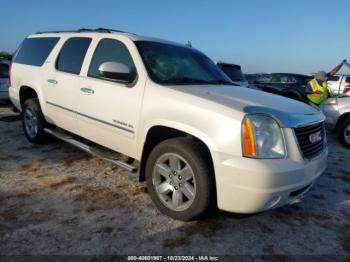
(304, 135)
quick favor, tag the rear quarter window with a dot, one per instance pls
(34, 51)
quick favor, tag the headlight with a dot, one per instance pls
(262, 137)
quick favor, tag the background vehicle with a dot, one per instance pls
(199, 137)
(339, 84)
(337, 112)
(234, 72)
(284, 84)
(4, 85)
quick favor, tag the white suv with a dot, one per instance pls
(200, 139)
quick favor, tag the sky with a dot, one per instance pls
(262, 36)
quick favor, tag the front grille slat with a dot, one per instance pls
(308, 149)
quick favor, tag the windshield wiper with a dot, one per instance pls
(189, 80)
(186, 80)
(223, 82)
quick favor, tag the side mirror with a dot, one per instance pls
(116, 71)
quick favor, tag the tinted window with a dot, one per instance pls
(333, 78)
(347, 80)
(72, 54)
(110, 50)
(234, 73)
(169, 64)
(263, 79)
(280, 79)
(4, 70)
(34, 51)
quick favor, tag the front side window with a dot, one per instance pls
(280, 79)
(169, 64)
(110, 50)
(72, 55)
(264, 79)
(4, 70)
(34, 51)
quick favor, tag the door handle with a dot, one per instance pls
(87, 90)
(52, 81)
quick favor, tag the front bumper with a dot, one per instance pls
(246, 185)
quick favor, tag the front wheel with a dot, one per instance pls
(344, 132)
(179, 179)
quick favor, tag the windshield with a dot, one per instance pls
(176, 65)
(234, 73)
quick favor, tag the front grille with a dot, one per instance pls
(308, 147)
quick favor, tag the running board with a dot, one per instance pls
(90, 149)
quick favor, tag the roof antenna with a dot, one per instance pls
(189, 44)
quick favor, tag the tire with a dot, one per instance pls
(197, 179)
(344, 132)
(33, 122)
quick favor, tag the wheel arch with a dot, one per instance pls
(341, 119)
(157, 133)
(292, 92)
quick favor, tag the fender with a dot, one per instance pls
(36, 87)
(174, 125)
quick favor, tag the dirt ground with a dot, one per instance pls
(55, 199)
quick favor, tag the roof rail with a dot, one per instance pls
(84, 30)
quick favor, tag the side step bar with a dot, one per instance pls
(90, 149)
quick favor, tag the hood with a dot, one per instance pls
(288, 112)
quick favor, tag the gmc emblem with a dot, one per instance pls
(316, 137)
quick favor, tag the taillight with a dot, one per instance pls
(346, 89)
(9, 75)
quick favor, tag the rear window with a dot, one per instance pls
(4, 70)
(347, 80)
(333, 78)
(34, 51)
(234, 73)
(72, 55)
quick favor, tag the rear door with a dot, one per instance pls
(108, 110)
(63, 83)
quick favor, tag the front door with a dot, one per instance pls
(108, 110)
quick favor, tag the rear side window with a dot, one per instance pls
(110, 50)
(34, 51)
(72, 55)
(4, 70)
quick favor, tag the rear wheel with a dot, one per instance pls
(178, 179)
(344, 132)
(33, 122)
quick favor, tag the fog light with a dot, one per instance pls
(272, 202)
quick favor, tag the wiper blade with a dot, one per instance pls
(187, 80)
(223, 82)
(199, 81)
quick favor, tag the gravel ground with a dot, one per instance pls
(55, 199)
